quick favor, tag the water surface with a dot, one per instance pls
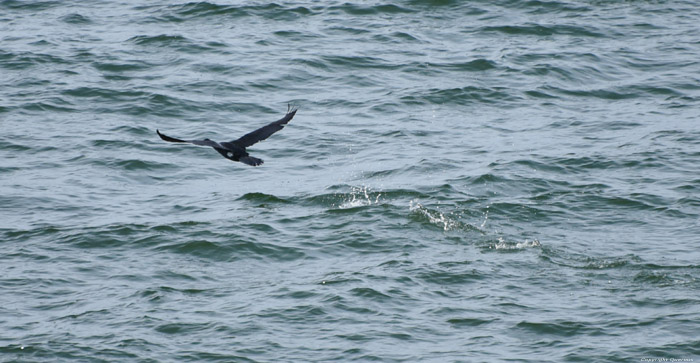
(464, 181)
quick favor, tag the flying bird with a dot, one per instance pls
(236, 150)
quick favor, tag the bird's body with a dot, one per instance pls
(236, 150)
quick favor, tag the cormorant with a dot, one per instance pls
(236, 150)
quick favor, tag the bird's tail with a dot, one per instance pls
(251, 160)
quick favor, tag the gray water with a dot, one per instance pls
(463, 181)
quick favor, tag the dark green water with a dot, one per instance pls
(464, 181)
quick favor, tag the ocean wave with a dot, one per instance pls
(77, 19)
(32, 6)
(462, 96)
(195, 11)
(544, 30)
(355, 9)
(21, 60)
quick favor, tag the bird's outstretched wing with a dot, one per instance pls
(265, 131)
(205, 142)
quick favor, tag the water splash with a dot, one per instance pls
(486, 218)
(360, 197)
(446, 221)
(503, 245)
(434, 217)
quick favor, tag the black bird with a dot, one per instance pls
(236, 150)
